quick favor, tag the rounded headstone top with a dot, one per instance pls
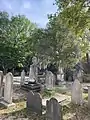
(34, 60)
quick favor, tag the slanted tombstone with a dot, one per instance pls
(34, 102)
(53, 110)
(22, 77)
(8, 89)
(1, 83)
(89, 97)
(76, 97)
(50, 80)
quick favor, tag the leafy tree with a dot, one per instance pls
(57, 43)
(14, 33)
(75, 14)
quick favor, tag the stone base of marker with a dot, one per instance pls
(33, 86)
(6, 104)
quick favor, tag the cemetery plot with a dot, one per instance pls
(53, 102)
(45, 106)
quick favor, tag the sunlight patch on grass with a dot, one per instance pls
(18, 106)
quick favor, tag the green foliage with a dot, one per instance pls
(58, 44)
(48, 93)
(65, 41)
(75, 14)
(14, 32)
(68, 30)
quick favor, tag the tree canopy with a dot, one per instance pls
(75, 14)
(14, 33)
(65, 40)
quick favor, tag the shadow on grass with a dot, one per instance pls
(2, 106)
(19, 100)
(24, 113)
(70, 108)
(77, 112)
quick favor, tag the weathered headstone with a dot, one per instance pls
(22, 77)
(53, 110)
(70, 78)
(78, 73)
(60, 76)
(34, 102)
(1, 83)
(32, 83)
(8, 89)
(50, 80)
(89, 97)
(88, 57)
(32, 76)
(33, 70)
(76, 91)
(30, 100)
(38, 103)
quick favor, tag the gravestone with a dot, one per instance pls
(8, 89)
(76, 92)
(32, 76)
(78, 73)
(53, 110)
(30, 100)
(88, 57)
(34, 102)
(60, 76)
(89, 97)
(22, 77)
(32, 84)
(1, 83)
(50, 80)
(33, 70)
(70, 78)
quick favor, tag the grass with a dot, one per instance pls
(76, 112)
(85, 96)
(60, 90)
(70, 111)
(48, 93)
(18, 106)
(19, 111)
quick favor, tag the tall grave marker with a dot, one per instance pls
(8, 89)
(34, 102)
(1, 83)
(22, 77)
(53, 110)
(76, 96)
(33, 70)
(50, 80)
